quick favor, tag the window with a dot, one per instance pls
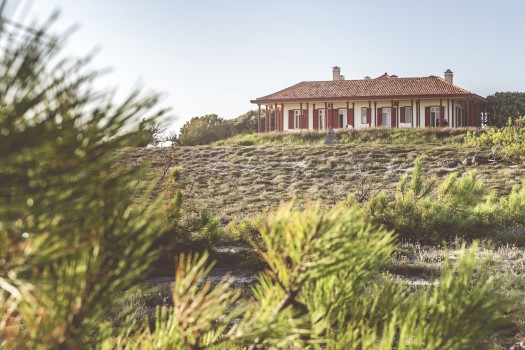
(321, 118)
(342, 118)
(434, 116)
(406, 114)
(364, 112)
(386, 117)
(297, 118)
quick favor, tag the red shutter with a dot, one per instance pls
(427, 116)
(335, 122)
(379, 116)
(350, 116)
(290, 119)
(368, 116)
(304, 119)
(316, 119)
(393, 117)
(402, 115)
(442, 116)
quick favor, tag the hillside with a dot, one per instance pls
(239, 181)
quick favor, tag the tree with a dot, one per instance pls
(74, 235)
(204, 130)
(504, 105)
(247, 122)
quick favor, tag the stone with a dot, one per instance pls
(331, 138)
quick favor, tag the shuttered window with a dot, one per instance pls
(297, 118)
(406, 115)
(434, 116)
(364, 114)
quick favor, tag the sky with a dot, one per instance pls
(214, 56)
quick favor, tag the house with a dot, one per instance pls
(386, 101)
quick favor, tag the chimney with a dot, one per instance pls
(449, 76)
(337, 73)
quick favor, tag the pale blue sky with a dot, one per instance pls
(214, 56)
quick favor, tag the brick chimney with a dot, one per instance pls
(336, 71)
(449, 76)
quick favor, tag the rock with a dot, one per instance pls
(479, 160)
(467, 161)
(331, 138)
(452, 164)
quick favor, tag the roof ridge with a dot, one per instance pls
(391, 86)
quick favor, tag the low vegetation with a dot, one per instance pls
(355, 136)
(435, 211)
(507, 141)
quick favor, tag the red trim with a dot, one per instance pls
(350, 116)
(281, 118)
(266, 120)
(418, 111)
(276, 118)
(412, 113)
(454, 122)
(375, 110)
(448, 113)
(307, 116)
(325, 115)
(393, 117)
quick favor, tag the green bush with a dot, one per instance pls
(429, 211)
(508, 141)
(176, 174)
(189, 228)
(245, 231)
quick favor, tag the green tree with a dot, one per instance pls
(247, 122)
(204, 130)
(504, 105)
(74, 238)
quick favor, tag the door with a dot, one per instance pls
(386, 117)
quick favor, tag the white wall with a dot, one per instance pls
(375, 104)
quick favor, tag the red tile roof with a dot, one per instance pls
(382, 87)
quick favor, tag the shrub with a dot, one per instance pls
(175, 174)
(427, 211)
(246, 230)
(189, 228)
(508, 141)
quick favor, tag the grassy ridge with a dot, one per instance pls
(236, 182)
(353, 136)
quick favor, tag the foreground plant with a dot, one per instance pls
(73, 237)
(324, 289)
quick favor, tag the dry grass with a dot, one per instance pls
(239, 181)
